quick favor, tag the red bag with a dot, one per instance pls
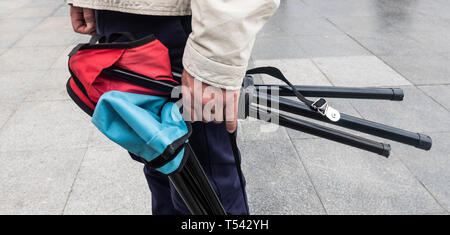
(146, 56)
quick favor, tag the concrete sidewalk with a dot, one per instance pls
(53, 161)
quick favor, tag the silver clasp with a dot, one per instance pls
(322, 107)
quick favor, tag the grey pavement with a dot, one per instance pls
(53, 161)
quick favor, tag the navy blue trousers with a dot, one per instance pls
(210, 141)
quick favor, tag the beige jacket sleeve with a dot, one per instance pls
(222, 38)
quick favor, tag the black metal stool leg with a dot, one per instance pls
(194, 187)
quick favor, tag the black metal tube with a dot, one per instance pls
(194, 168)
(414, 139)
(182, 184)
(418, 140)
(322, 131)
(310, 91)
(194, 187)
(337, 92)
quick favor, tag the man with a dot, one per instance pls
(212, 41)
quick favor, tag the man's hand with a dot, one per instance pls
(83, 20)
(207, 103)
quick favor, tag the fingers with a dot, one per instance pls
(231, 126)
(188, 106)
(89, 18)
(77, 19)
(209, 104)
(231, 110)
(213, 104)
(83, 20)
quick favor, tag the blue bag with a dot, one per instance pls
(148, 126)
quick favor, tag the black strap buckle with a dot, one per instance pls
(320, 106)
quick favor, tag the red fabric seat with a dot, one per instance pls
(146, 56)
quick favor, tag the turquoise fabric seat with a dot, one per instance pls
(147, 126)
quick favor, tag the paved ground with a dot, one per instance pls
(53, 161)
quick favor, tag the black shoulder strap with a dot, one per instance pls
(103, 39)
(320, 105)
(276, 73)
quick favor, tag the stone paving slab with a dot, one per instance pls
(330, 45)
(17, 85)
(256, 130)
(359, 71)
(440, 93)
(295, 10)
(8, 109)
(276, 179)
(365, 8)
(421, 68)
(37, 182)
(14, 4)
(4, 12)
(18, 24)
(272, 28)
(362, 26)
(298, 71)
(435, 8)
(97, 139)
(62, 11)
(311, 26)
(417, 112)
(8, 39)
(54, 79)
(351, 181)
(417, 23)
(31, 12)
(51, 86)
(391, 44)
(276, 47)
(45, 125)
(289, 12)
(61, 63)
(47, 94)
(430, 168)
(49, 4)
(62, 23)
(109, 182)
(445, 55)
(36, 59)
(44, 38)
(436, 41)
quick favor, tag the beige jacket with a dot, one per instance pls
(223, 32)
